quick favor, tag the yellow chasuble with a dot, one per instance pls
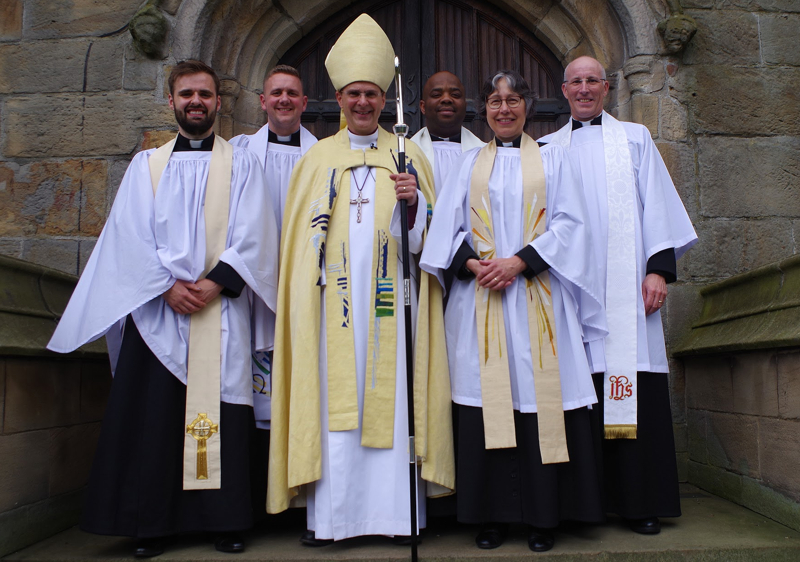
(316, 231)
(498, 412)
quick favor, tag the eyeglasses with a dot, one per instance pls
(590, 82)
(496, 103)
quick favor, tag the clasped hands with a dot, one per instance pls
(185, 297)
(496, 274)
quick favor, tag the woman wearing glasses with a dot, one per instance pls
(509, 225)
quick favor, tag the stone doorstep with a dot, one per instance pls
(711, 529)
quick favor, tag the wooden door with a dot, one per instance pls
(470, 38)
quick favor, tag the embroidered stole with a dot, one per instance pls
(498, 410)
(622, 289)
(202, 467)
(379, 385)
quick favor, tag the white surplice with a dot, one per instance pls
(660, 223)
(150, 242)
(365, 491)
(442, 155)
(565, 246)
(278, 161)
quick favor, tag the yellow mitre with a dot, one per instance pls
(363, 53)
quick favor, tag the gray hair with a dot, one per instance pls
(516, 83)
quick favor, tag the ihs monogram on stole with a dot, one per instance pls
(202, 429)
(338, 271)
(621, 387)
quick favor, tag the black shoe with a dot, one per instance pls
(492, 535)
(541, 540)
(147, 548)
(405, 540)
(648, 526)
(308, 538)
(229, 542)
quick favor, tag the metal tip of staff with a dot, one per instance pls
(397, 62)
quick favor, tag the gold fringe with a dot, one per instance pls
(621, 431)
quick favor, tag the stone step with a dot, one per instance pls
(710, 530)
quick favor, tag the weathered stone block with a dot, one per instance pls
(766, 100)
(24, 470)
(684, 303)
(36, 522)
(748, 5)
(85, 248)
(116, 173)
(723, 37)
(674, 121)
(733, 443)
(716, 480)
(644, 110)
(71, 453)
(41, 394)
(224, 126)
(170, 6)
(70, 18)
(155, 139)
(239, 129)
(681, 432)
(779, 446)
(94, 125)
(2, 393)
(58, 254)
(680, 161)
(780, 34)
(104, 64)
(50, 66)
(682, 460)
(709, 384)
(247, 110)
(767, 501)
(11, 248)
(697, 435)
(10, 20)
(53, 198)
(789, 385)
(95, 388)
(755, 383)
(140, 73)
(752, 177)
(677, 391)
(729, 247)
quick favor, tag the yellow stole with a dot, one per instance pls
(498, 411)
(202, 467)
(316, 230)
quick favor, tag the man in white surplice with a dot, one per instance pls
(278, 145)
(624, 176)
(339, 417)
(444, 139)
(163, 260)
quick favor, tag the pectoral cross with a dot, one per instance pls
(358, 201)
(202, 429)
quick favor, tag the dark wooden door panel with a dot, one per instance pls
(470, 38)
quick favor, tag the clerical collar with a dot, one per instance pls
(578, 124)
(291, 140)
(513, 144)
(454, 138)
(363, 141)
(187, 145)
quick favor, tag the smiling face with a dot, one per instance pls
(284, 102)
(506, 122)
(362, 103)
(585, 88)
(444, 104)
(195, 103)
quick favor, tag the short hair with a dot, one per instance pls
(188, 67)
(602, 70)
(283, 69)
(517, 84)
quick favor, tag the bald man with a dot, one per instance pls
(444, 139)
(623, 175)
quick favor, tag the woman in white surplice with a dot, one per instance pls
(543, 467)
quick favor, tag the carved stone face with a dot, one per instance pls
(677, 31)
(149, 31)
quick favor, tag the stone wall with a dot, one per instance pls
(742, 360)
(50, 408)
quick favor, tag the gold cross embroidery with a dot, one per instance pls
(202, 429)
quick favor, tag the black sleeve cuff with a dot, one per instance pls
(458, 268)
(533, 260)
(664, 264)
(232, 283)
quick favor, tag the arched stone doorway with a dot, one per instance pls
(470, 38)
